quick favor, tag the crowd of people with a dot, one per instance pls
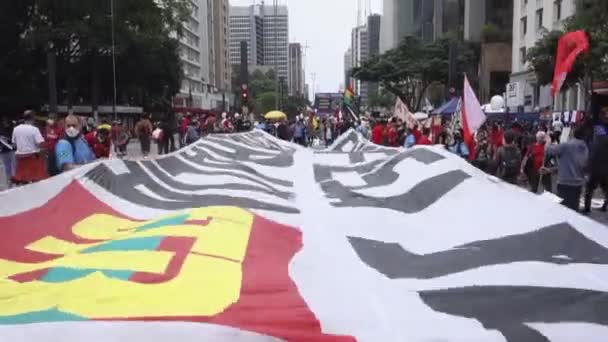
(552, 156)
(535, 155)
(31, 153)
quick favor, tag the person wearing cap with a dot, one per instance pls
(30, 164)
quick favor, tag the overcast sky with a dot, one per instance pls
(325, 26)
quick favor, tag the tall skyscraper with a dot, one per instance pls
(360, 53)
(348, 67)
(246, 24)
(425, 19)
(196, 46)
(267, 35)
(373, 44)
(221, 13)
(296, 70)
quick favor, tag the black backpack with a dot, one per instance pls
(510, 161)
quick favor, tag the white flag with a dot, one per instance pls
(472, 117)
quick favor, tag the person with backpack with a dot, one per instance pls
(143, 130)
(508, 159)
(482, 157)
(72, 150)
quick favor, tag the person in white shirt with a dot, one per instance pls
(30, 163)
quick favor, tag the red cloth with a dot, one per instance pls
(30, 168)
(569, 47)
(101, 150)
(424, 141)
(392, 137)
(378, 134)
(184, 126)
(537, 153)
(496, 138)
(52, 135)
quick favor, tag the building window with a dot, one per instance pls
(523, 26)
(522, 56)
(557, 10)
(539, 19)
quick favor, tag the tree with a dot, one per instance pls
(381, 99)
(78, 33)
(411, 68)
(589, 17)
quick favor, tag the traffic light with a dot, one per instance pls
(244, 94)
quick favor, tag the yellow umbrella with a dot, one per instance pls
(275, 115)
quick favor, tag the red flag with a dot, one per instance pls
(569, 47)
(472, 117)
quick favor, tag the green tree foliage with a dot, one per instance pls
(381, 99)
(78, 33)
(411, 68)
(262, 94)
(590, 17)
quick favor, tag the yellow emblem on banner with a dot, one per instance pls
(94, 281)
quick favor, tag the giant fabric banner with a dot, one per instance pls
(247, 238)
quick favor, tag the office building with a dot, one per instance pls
(373, 44)
(348, 67)
(360, 53)
(267, 35)
(296, 70)
(530, 20)
(197, 53)
(425, 19)
(246, 24)
(223, 70)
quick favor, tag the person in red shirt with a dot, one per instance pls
(183, 128)
(497, 137)
(378, 134)
(100, 142)
(52, 134)
(533, 163)
(424, 137)
(391, 133)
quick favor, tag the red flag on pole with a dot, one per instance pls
(569, 47)
(472, 117)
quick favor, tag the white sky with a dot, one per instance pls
(325, 26)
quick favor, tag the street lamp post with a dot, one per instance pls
(276, 52)
(113, 61)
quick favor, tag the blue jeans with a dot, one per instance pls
(8, 160)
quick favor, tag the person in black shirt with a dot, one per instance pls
(7, 149)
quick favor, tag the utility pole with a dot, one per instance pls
(276, 52)
(313, 75)
(113, 61)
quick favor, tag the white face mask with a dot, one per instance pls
(72, 132)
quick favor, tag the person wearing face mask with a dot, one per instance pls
(72, 150)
